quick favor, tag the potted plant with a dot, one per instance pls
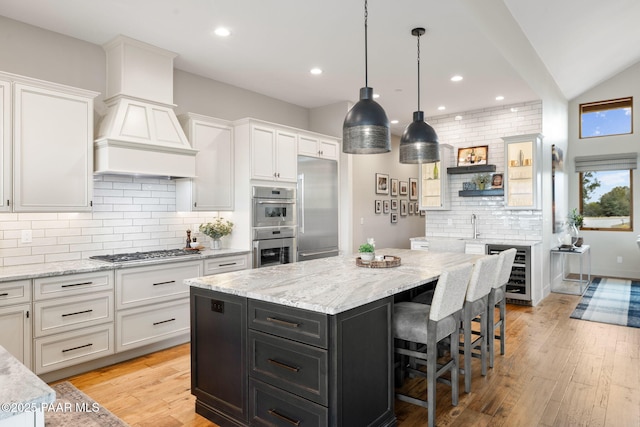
(481, 180)
(367, 252)
(216, 230)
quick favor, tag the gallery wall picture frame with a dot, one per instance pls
(404, 188)
(394, 217)
(497, 180)
(378, 206)
(410, 208)
(394, 187)
(423, 213)
(386, 206)
(413, 189)
(382, 183)
(394, 204)
(404, 207)
(473, 155)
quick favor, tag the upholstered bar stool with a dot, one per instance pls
(422, 326)
(475, 308)
(498, 300)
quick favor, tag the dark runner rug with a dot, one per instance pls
(615, 301)
(73, 408)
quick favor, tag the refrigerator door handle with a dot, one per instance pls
(301, 203)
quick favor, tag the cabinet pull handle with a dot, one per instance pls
(227, 264)
(4, 294)
(77, 348)
(77, 312)
(76, 284)
(284, 365)
(163, 321)
(164, 283)
(284, 417)
(283, 322)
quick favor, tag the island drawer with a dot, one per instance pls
(72, 284)
(270, 406)
(15, 292)
(292, 366)
(64, 314)
(297, 324)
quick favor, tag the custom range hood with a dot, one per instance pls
(140, 134)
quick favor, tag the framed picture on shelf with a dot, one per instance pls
(386, 206)
(394, 187)
(394, 217)
(378, 208)
(413, 189)
(382, 183)
(473, 155)
(394, 204)
(404, 207)
(404, 188)
(496, 180)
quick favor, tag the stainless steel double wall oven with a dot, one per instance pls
(274, 226)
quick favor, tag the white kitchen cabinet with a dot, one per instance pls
(313, 146)
(523, 177)
(272, 150)
(225, 264)
(212, 189)
(52, 147)
(5, 146)
(433, 185)
(15, 319)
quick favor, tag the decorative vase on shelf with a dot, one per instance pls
(573, 232)
(216, 244)
(435, 171)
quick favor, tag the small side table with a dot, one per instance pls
(567, 285)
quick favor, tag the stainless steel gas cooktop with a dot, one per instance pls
(143, 256)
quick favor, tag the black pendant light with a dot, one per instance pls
(419, 141)
(366, 128)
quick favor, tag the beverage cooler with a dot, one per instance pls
(519, 286)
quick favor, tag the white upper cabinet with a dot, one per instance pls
(272, 150)
(52, 147)
(5, 146)
(523, 177)
(434, 182)
(312, 146)
(212, 189)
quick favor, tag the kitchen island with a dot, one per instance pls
(306, 343)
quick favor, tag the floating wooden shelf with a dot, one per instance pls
(471, 169)
(478, 193)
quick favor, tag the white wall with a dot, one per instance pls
(606, 246)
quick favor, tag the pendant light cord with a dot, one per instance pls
(366, 59)
(418, 71)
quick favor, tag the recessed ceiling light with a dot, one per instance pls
(222, 32)
(499, 98)
(514, 110)
(442, 107)
(394, 122)
(376, 95)
(458, 117)
(316, 71)
(456, 78)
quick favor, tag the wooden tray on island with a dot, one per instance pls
(388, 262)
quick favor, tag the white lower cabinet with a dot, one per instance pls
(225, 264)
(15, 319)
(73, 319)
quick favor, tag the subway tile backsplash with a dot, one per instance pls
(485, 127)
(129, 214)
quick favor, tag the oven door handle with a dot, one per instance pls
(275, 202)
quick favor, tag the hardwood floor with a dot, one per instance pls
(557, 371)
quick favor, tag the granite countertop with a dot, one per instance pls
(333, 285)
(32, 271)
(481, 241)
(20, 389)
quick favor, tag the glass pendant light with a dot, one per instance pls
(366, 128)
(419, 141)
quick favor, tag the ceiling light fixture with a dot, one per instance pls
(316, 71)
(222, 32)
(366, 128)
(499, 98)
(456, 78)
(419, 141)
(442, 108)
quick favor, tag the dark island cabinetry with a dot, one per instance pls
(264, 364)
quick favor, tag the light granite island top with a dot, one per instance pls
(21, 391)
(336, 284)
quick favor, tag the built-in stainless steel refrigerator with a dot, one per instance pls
(317, 204)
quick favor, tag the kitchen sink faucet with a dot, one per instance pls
(474, 221)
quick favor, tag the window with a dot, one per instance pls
(613, 117)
